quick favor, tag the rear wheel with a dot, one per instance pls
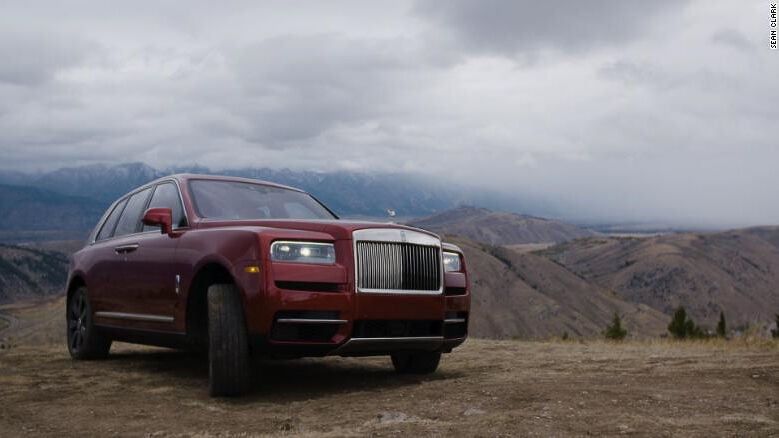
(85, 341)
(417, 362)
(229, 368)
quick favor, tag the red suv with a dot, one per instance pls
(238, 267)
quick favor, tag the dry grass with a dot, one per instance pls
(741, 343)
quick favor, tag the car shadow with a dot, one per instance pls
(279, 380)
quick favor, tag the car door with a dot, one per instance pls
(152, 273)
(105, 272)
(120, 309)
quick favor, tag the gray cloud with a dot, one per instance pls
(510, 27)
(733, 38)
(30, 58)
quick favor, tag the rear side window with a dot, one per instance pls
(167, 195)
(108, 226)
(131, 216)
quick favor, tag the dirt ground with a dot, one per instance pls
(485, 388)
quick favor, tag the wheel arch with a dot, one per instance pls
(76, 281)
(196, 316)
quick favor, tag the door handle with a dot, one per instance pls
(123, 249)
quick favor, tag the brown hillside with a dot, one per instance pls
(734, 271)
(526, 295)
(499, 228)
(27, 272)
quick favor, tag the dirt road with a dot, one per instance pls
(487, 388)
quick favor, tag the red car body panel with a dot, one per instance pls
(141, 283)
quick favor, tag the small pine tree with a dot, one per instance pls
(565, 336)
(683, 327)
(775, 332)
(615, 330)
(722, 328)
(678, 327)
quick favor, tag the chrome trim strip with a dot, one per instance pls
(395, 235)
(454, 321)
(358, 346)
(134, 316)
(310, 321)
(398, 340)
(126, 248)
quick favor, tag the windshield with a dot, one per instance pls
(239, 200)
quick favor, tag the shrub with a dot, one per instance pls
(775, 332)
(683, 327)
(615, 330)
(722, 328)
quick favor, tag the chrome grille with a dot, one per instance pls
(396, 260)
(397, 266)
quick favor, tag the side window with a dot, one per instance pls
(131, 216)
(108, 226)
(167, 195)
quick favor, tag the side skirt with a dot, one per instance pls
(156, 338)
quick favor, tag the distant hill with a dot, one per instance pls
(30, 273)
(526, 295)
(499, 228)
(31, 208)
(734, 271)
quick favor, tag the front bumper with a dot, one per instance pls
(339, 321)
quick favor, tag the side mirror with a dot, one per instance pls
(161, 217)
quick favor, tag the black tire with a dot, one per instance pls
(85, 341)
(418, 362)
(229, 368)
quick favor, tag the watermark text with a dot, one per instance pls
(772, 29)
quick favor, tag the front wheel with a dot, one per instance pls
(418, 362)
(85, 341)
(229, 369)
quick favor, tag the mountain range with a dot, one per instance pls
(500, 228)
(73, 198)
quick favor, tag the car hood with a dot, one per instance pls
(339, 229)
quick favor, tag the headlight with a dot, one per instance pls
(452, 262)
(303, 252)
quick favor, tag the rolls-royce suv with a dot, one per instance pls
(240, 268)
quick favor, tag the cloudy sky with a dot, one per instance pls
(610, 109)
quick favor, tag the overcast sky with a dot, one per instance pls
(611, 109)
